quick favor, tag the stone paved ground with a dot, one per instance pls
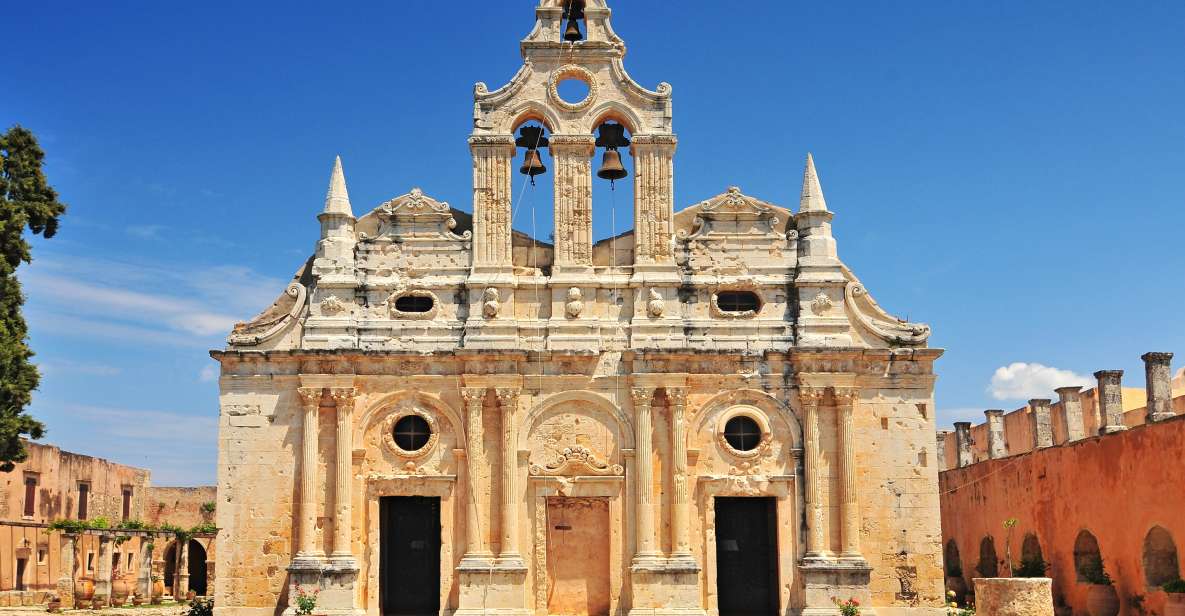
(147, 610)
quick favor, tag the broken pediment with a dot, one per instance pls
(416, 215)
(735, 213)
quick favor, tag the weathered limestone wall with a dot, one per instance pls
(183, 506)
(1117, 487)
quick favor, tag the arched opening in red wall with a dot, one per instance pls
(1088, 560)
(1160, 557)
(1032, 560)
(951, 560)
(989, 564)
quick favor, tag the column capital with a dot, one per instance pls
(507, 396)
(846, 396)
(473, 395)
(343, 397)
(1157, 357)
(494, 142)
(1069, 392)
(642, 396)
(677, 395)
(310, 396)
(811, 395)
(641, 141)
(1109, 376)
(573, 144)
(993, 413)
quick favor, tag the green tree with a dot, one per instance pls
(26, 200)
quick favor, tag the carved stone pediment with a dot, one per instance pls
(576, 461)
(417, 215)
(733, 212)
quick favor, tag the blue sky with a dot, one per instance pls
(1010, 172)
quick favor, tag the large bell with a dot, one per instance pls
(574, 12)
(532, 164)
(611, 168)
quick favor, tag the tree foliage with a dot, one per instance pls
(26, 200)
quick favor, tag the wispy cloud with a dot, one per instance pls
(1023, 381)
(146, 232)
(66, 366)
(209, 374)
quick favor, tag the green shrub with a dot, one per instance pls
(1033, 567)
(1176, 587)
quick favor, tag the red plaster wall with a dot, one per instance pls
(1117, 486)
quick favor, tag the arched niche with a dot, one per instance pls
(1032, 559)
(373, 432)
(989, 564)
(1088, 560)
(951, 561)
(1161, 565)
(575, 426)
(781, 434)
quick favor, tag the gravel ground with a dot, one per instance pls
(147, 610)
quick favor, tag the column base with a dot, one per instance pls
(661, 588)
(1160, 416)
(1111, 429)
(495, 589)
(479, 561)
(842, 579)
(335, 579)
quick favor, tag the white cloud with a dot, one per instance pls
(209, 374)
(1023, 381)
(146, 232)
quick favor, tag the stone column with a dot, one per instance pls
(1071, 401)
(144, 575)
(963, 443)
(681, 506)
(308, 553)
(493, 158)
(182, 585)
(477, 550)
(1110, 395)
(1159, 385)
(1042, 423)
(997, 444)
(573, 199)
(654, 192)
(812, 398)
(508, 405)
(849, 503)
(644, 509)
(940, 452)
(65, 586)
(343, 555)
(103, 570)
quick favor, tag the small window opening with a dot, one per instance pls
(127, 503)
(90, 561)
(412, 433)
(742, 433)
(30, 496)
(83, 492)
(738, 301)
(414, 303)
(42, 553)
(20, 573)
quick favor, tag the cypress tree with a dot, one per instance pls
(26, 200)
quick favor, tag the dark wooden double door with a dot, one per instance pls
(746, 556)
(409, 558)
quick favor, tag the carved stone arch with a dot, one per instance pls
(528, 111)
(774, 409)
(377, 411)
(617, 112)
(597, 400)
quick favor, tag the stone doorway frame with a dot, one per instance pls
(788, 505)
(609, 487)
(437, 486)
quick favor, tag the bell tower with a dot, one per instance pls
(572, 40)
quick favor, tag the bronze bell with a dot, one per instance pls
(611, 168)
(574, 12)
(532, 165)
(531, 138)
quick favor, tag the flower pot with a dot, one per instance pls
(97, 604)
(190, 596)
(120, 589)
(1102, 600)
(1174, 605)
(158, 589)
(84, 589)
(54, 606)
(137, 601)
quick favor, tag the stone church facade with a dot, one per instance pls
(706, 415)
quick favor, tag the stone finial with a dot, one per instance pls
(963, 443)
(1159, 384)
(1110, 395)
(1070, 398)
(337, 200)
(997, 444)
(1042, 423)
(812, 192)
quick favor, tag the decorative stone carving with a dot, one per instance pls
(757, 416)
(572, 71)
(575, 304)
(822, 304)
(738, 314)
(575, 461)
(413, 316)
(333, 306)
(286, 310)
(418, 214)
(656, 306)
(869, 315)
(388, 431)
(490, 305)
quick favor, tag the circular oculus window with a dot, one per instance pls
(742, 433)
(412, 433)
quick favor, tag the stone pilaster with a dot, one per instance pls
(508, 406)
(654, 194)
(812, 399)
(849, 503)
(1110, 397)
(493, 158)
(477, 550)
(65, 584)
(647, 553)
(1158, 382)
(963, 444)
(997, 443)
(308, 554)
(681, 502)
(573, 201)
(1070, 399)
(343, 555)
(1042, 423)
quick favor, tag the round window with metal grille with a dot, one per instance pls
(412, 433)
(742, 433)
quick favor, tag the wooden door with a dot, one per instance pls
(409, 561)
(746, 556)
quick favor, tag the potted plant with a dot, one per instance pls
(1031, 567)
(1175, 591)
(120, 589)
(851, 607)
(306, 601)
(55, 604)
(1101, 599)
(137, 600)
(84, 591)
(158, 590)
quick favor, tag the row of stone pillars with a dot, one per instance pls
(105, 573)
(1158, 384)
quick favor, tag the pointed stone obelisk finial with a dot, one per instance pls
(337, 200)
(812, 193)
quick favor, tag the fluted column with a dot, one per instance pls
(493, 158)
(681, 509)
(1110, 397)
(1158, 374)
(477, 544)
(644, 509)
(508, 405)
(308, 552)
(573, 199)
(654, 193)
(343, 398)
(1071, 402)
(849, 503)
(812, 398)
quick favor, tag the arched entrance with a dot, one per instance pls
(197, 567)
(170, 567)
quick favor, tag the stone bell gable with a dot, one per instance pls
(706, 414)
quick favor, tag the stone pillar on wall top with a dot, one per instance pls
(963, 443)
(1071, 403)
(940, 441)
(997, 444)
(1159, 377)
(1110, 395)
(1042, 423)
